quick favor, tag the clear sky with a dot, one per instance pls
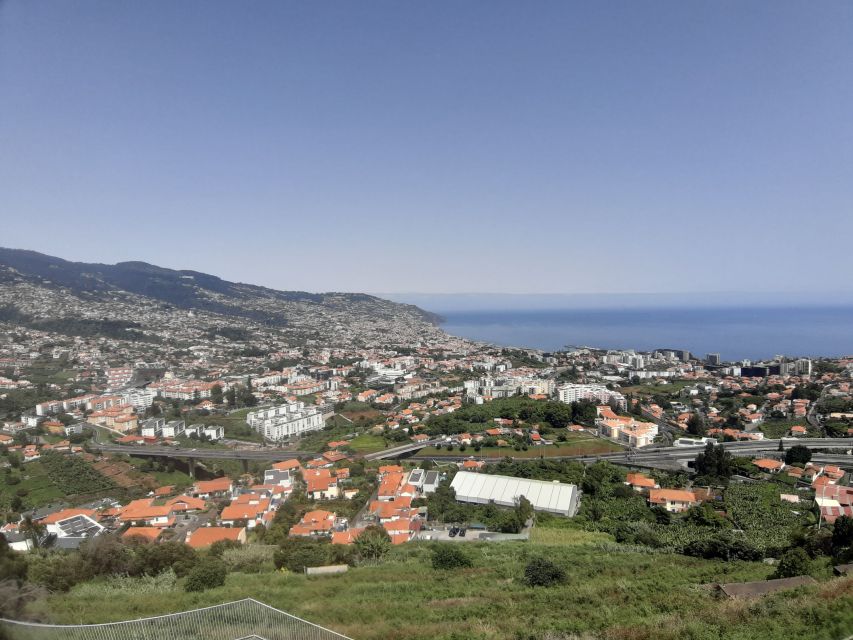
(436, 146)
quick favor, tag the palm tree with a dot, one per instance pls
(33, 530)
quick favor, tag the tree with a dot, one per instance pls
(373, 543)
(715, 463)
(523, 511)
(798, 454)
(794, 562)
(216, 394)
(842, 534)
(13, 566)
(33, 530)
(106, 555)
(57, 571)
(153, 559)
(540, 572)
(450, 556)
(696, 425)
(209, 573)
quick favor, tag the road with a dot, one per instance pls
(265, 455)
(678, 457)
(662, 458)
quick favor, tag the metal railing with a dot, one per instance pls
(237, 620)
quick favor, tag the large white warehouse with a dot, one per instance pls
(481, 488)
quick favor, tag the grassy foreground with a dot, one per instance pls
(612, 593)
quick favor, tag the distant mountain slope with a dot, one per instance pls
(187, 289)
(140, 302)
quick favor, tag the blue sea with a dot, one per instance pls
(734, 332)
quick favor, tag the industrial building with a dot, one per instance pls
(504, 491)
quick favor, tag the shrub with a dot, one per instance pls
(220, 546)
(540, 572)
(450, 556)
(106, 555)
(153, 559)
(793, 563)
(373, 543)
(297, 553)
(249, 559)
(209, 573)
(57, 571)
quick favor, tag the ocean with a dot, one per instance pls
(734, 332)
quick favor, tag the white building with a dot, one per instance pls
(173, 429)
(139, 399)
(286, 420)
(504, 491)
(210, 431)
(569, 393)
(152, 428)
(119, 377)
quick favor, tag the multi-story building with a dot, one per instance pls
(173, 429)
(139, 399)
(803, 367)
(152, 428)
(118, 377)
(211, 432)
(286, 420)
(569, 393)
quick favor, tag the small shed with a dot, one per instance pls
(762, 587)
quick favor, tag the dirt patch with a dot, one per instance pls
(123, 474)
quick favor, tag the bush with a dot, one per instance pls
(153, 559)
(793, 563)
(209, 573)
(373, 543)
(540, 572)
(450, 556)
(57, 571)
(249, 559)
(722, 546)
(297, 553)
(220, 546)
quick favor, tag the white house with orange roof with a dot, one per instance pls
(673, 500)
(315, 523)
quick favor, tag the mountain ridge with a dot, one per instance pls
(179, 287)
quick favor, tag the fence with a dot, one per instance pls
(239, 620)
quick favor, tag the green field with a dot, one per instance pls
(780, 428)
(611, 593)
(234, 424)
(367, 443)
(39, 488)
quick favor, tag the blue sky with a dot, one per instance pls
(487, 146)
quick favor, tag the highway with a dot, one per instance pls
(396, 452)
(678, 457)
(661, 458)
(266, 455)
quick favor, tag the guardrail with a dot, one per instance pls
(246, 618)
